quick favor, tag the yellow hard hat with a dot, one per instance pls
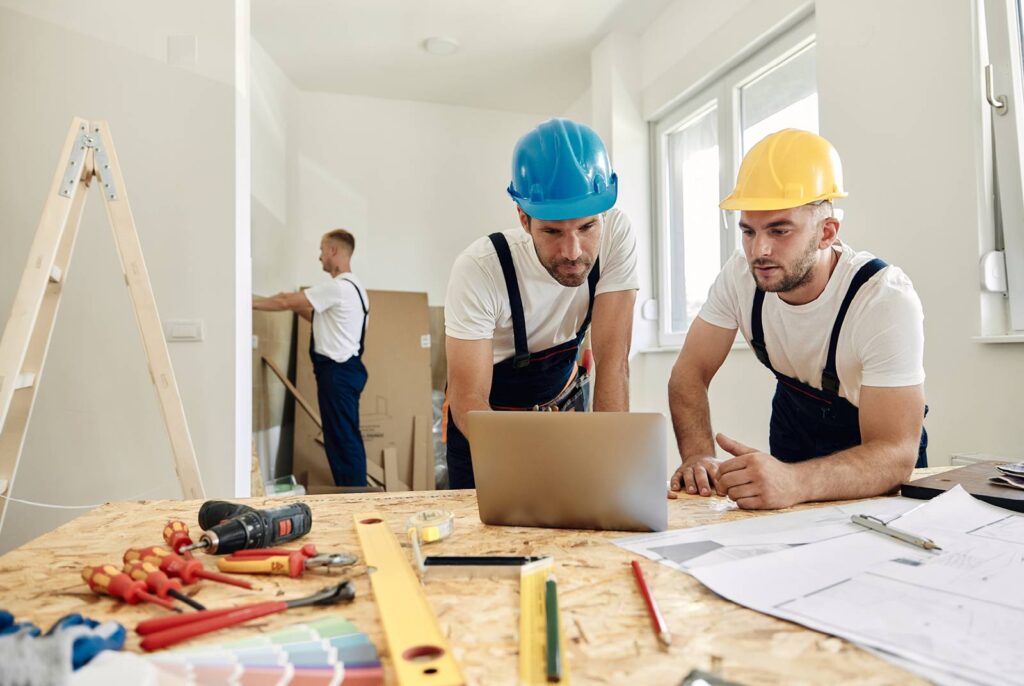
(787, 169)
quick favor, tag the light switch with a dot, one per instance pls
(183, 330)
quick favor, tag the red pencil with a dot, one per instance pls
(657, 621)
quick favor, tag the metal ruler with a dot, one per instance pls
(418, 650)
(533, 625)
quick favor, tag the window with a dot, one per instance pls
(698, 147)
(1003, 250)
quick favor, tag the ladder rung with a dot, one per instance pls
(56, 274)
(26, 380)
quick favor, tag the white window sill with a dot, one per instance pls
(1002, 338)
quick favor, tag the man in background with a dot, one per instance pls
(338, 310)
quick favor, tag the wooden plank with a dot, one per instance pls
(313, 413)
(26, 338)
(420, 468)
(607, 629)
(17, 336)
(256, 487)
(391, 479)
(148, 319)
(375, 472)
(975, 480)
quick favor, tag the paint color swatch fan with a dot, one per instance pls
(326, 651)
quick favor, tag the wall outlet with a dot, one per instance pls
(183, 330)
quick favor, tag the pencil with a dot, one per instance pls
(657, 621)
(551, 619)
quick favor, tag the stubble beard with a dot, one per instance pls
(569, 281)
(792, 278)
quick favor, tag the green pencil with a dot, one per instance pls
(551, 619)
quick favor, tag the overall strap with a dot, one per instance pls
(515, 300)
(366, 316)
(757, 330)
(829, 377)
(595, 274)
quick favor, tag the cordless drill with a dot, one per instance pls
(230, 527)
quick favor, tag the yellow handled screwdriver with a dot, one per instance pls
(293, 564)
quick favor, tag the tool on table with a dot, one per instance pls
(533, 626)
(159, 583)
(293, 564)
(876, 524)
(214, 512)
(309, 550)
(418, 648)
(432, 525)
(474, 565)
(176, 535)
(554, 653)
(163, 634)
(109, 580)
(173, 565)
(250, 528)
(660, 628)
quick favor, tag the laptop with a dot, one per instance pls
(570, 470)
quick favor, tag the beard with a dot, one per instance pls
(793, 276)
(583, 264)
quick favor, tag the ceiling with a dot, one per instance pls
(518, 55)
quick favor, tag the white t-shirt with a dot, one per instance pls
(477, 308)
(338, 324)
(881, 342)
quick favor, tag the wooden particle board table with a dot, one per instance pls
(609, 636)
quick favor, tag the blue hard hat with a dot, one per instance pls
(561, 170)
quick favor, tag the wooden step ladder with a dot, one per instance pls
(88, 156)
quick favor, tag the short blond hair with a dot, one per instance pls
(344, 237)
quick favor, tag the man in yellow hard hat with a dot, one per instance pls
(841, 330)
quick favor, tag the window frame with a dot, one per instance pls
(1004, 34)
(724, 94)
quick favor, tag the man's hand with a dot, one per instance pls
(756, 480)
(697, 475)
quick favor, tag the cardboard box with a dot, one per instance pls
(395, 409)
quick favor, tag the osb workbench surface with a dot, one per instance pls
(609, 635)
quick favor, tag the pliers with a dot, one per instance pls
(282, 561)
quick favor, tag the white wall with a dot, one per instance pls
(96, 433)
(415, 182)
(902, 108)
(274, 101)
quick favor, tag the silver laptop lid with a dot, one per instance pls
(570, 470)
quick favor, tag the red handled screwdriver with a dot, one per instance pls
(159, 583)
(176, 536)
(109, 580)
(174, 565)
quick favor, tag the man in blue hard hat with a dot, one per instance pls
(520, 302)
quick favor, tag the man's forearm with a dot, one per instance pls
(864, 471)
(611, 387)
(273, 303)
(462, 406)
(264, 304)
(691, 416)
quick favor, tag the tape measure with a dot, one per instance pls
(432, 525)
(418, 649)
(533, 626)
